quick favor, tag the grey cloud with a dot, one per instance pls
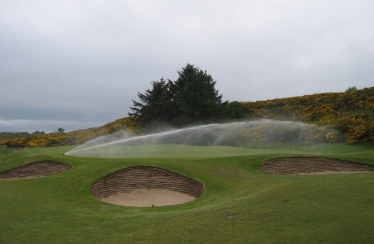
(84, 61)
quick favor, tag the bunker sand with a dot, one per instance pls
(148, 198)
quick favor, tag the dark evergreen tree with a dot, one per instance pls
(191, 99)
(155, 105)
(195, 97)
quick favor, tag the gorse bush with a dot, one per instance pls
(61, 139)
(350, 113)
(351, 89)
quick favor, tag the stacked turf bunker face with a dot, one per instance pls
(35, 170)
(133, 179)
(311, 165)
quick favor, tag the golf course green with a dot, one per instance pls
(240, 204)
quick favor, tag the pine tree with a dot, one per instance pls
(195, 97)
(154, 106)
(191, 99)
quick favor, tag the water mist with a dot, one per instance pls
(125, 144)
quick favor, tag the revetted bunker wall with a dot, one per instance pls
(36, 169)
(311, 165)
(145, 177)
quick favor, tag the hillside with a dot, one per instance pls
(350, 113)
(60, 139)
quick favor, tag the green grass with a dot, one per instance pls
(163, 151)
(262, 208)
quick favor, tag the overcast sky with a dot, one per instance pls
(77, 64)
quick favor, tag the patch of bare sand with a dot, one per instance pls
(148, 197)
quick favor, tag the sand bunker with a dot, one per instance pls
(35, 170)
(301, 165)
(146, 186)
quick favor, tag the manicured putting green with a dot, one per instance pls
(163, 151)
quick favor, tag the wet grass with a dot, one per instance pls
(239, 205)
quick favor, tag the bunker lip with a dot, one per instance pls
(146, 186)
(35, 170)
(311, 165)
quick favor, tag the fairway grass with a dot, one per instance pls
(240, 204)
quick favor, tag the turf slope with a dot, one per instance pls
(240, 204)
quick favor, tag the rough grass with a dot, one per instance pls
(240, 204)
